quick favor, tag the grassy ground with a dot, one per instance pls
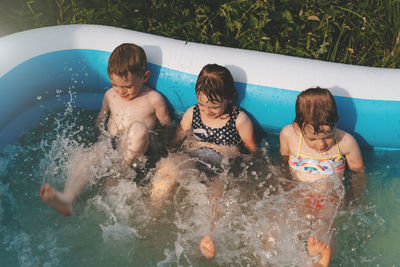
(365, 32)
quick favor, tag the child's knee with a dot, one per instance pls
(162, 187)
(166, 168)
(164, 179)
(135, 142)
(137, 130)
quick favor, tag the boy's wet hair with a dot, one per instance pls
(316, 107)
(127, 58)
(216, 82)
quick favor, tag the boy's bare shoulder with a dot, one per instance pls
(109, 92)
(154, 96)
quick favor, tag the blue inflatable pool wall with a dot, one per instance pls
(43, 79)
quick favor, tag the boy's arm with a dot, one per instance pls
(161, 110)
(184, 126)
(244, 126)
(104, 112)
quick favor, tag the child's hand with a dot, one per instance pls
(358, 183)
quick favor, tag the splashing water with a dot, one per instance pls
(262, 218)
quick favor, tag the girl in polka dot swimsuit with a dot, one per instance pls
(214, 129)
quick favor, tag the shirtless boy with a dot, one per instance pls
(130, 109)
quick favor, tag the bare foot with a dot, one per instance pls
(316, 247)
(54, 199)
(207, 247)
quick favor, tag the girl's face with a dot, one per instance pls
(211, 110)
(320, 142)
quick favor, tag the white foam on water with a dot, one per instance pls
(117, 231)
(20, 243)
(124, 206)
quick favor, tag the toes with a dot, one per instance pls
(312, 241)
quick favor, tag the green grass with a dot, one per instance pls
(354, 32)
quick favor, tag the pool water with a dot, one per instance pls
(113, 224)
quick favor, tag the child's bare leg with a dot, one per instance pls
(56, 200)
(316, 247)
(134, 143)
(77, 181)
(216, 190)
(324, 220)
(166, 176)
(165, 179)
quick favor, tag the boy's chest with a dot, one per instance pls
(136, 109)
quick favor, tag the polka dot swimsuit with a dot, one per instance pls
(226, 135)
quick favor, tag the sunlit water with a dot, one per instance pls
(260, 220)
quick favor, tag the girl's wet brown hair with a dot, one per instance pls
(216, 82)
(127, 58)
(316, 107)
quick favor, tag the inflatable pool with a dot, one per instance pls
(46, 73)
(37, 65)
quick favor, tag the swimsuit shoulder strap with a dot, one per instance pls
(233, 116)
(196, 116)
(338, 149)
(300, 143)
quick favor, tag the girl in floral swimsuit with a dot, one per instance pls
(315, 149)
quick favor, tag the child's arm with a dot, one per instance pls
(161, 110)
(351, 151)
(284, 137)
(184, 126)
(244, 126)
(104, 111)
